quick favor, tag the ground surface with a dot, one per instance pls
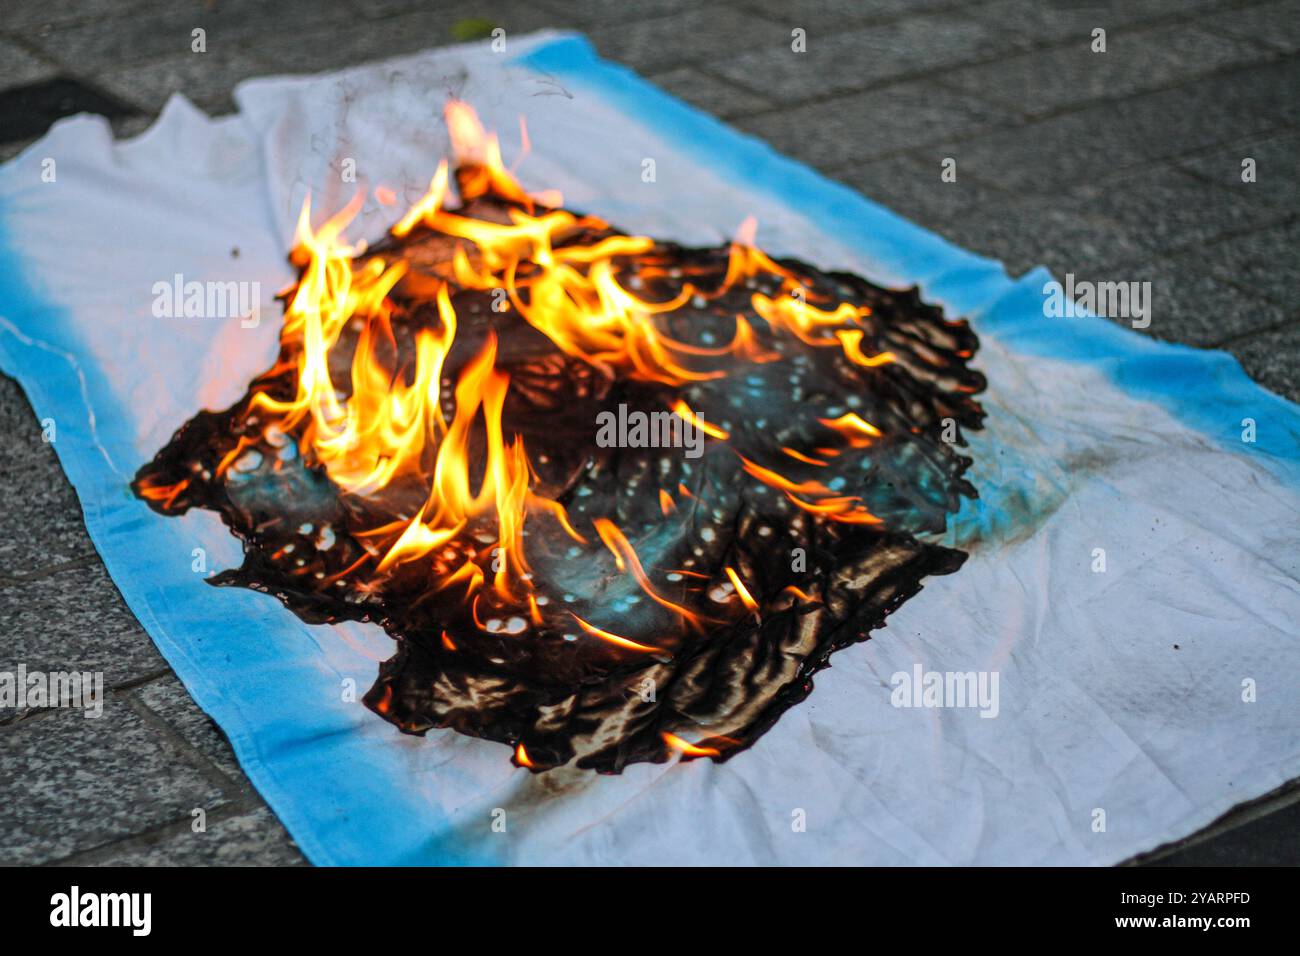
(1123, 165)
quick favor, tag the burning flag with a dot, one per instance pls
(424, 454)
(477, 434)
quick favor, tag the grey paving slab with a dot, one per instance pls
(1038, 232)
(1167, 208)
(167, 697)
(1269, 89)
(167, 31)
(1045, 81)
(40, 522)
(1263, 261)
(825, 14)
(452, 10)
(72, 783)
(1034, 230)
(1046, 20)
(589, 12)
(1269, 840)
(74, 620)
(44, 15)
(1274, 24)
(719, 97)
(18, 422)
(845, 132)
(1273, 360)
(1096, 142)
(914, 188)
(252, 838)
(18, 67)
(1277, 169)
(206, 79)
(316, 47)
(700, 34)
(1191, 306)
(1123, 219)
(837, 61)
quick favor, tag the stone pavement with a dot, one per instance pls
(1122, 165)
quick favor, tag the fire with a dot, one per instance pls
(451, 504)
(572, 293)
(684, 411)
(164, 493)
(742, 592)
(394, 423)
(625, 559)
(846, 509)
(858, 432)
(610, 636)
(791, 311)
(689, 749)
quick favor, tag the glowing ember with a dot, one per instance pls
(422, 455)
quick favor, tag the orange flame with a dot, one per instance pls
(688, 748)
(625, 559)
(858, 432)
(572, 293)
(742, 592)
(610, 636)
(684, 412)
(393, 421)
(522, 758)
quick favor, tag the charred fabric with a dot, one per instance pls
(430, 452)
